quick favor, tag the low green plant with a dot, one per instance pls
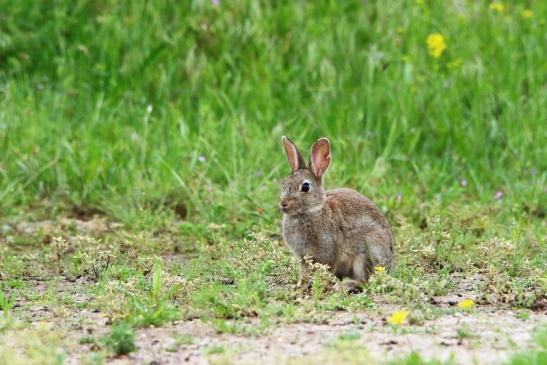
(184, 339)
(214, 349)
(464, 332)
(120, 340)
(87, 340)
(415, 359)
(6, 304)
(154, 307)
(523, 314)
(349, 336)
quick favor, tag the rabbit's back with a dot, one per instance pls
(362, 225)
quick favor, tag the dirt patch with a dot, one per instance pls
(485, 337)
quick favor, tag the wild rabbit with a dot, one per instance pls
(340, 228)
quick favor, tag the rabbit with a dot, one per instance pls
(340, 228)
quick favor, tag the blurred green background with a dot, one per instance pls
(151, 111)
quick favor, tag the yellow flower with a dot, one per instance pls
(397, 317)
(380, 269)
(436, 45)
(527, 13)
(496, 6)
(466, 304)
(419, 2)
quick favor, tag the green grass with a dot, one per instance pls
(163, 119)
(133, 109)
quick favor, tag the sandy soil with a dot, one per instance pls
(495, 336)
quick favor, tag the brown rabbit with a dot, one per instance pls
(340, 228)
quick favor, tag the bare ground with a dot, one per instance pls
(488, 335)
(496, 335)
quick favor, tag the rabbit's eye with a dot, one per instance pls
(306, 187)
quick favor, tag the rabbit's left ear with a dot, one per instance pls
(320, 157)
(294, 157)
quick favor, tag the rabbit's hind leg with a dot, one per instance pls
(359, 274)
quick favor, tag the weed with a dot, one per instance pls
(94, 358)
(214, 349)
(6, 304)
(323, 281)
(87, 340)
(523, 314)
(347, 352)
(415, 359)
(184, 339)
(155, 308)
(349, 336)
(120, 340)
(464, 332)
(92, 258)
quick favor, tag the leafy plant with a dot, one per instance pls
(155, 308)
(6, 304)
(120, 340)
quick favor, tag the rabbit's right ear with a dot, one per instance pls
(296, 161)
(320, 157)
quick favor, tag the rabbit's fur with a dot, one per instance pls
(340, 228)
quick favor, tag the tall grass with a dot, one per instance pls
(133, 106)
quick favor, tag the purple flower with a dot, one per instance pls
(499, 195)
(215, 2)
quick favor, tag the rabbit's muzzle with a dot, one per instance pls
(285, 205)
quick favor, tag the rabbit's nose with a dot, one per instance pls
(284, 204)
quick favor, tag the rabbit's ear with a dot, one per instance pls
(320, 157)
(296, 161)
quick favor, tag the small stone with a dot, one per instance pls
(6, 229)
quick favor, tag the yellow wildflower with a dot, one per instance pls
(527, 13)
(436, 45)
(497, 6)
(466, 304)
(397, 317)
(419, 2)
(380, 269)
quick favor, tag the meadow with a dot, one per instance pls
(141, 162)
